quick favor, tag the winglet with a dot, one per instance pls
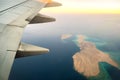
(53, 4)
(30, 50)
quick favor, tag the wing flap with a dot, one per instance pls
(10, 38)
(9, 41)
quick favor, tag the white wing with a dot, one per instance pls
(14, 16)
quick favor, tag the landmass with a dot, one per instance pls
(65, 36)
(86, 61)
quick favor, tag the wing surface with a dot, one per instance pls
(13, 19)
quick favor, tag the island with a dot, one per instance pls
(87, 60)
(65, 36)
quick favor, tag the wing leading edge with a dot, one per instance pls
(14, 16)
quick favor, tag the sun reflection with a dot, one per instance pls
(45, 1)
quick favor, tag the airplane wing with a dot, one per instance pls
(14, 16)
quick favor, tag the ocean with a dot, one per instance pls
(102, 30)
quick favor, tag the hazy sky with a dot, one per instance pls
(88, 6)
(68, 22)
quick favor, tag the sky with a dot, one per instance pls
(71, 18)
(87, 6)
